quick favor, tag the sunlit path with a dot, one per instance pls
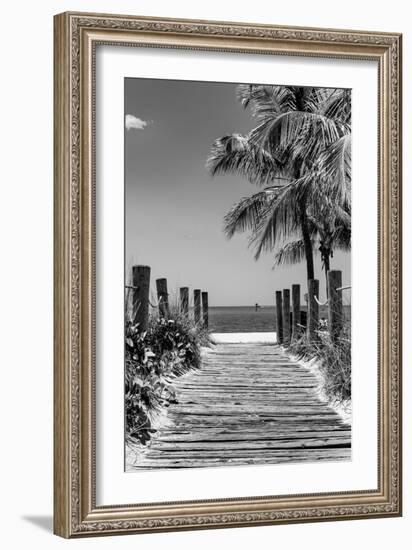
(248, 404)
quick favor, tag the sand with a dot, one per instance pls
(244, 337)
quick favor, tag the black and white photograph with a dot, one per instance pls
(237, 274)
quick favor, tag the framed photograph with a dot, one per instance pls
(227, 349)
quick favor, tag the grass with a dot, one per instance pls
(334, 361)
(168, 349)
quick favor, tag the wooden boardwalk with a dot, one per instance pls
(248, 404)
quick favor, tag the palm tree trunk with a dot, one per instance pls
(304, 222)
(325, 254)
(307, 242)
(326, 263)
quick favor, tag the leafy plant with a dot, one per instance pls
(333, 357)
(181, 335)
(168, 349)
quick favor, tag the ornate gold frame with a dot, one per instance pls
(76, 36)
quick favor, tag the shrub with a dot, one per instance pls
(178, 333)
(169, 348)
(334, 361)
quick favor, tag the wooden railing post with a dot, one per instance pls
(141, 289)
(279, 320)
(295, 311)
(335, 304)
(313, 309)
(184, 301)
(286, 316)
(163, 297)
(205, 309)
(197, 304)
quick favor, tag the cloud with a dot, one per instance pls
(132, 122)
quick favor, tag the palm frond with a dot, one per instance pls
(237, 155)
(290, 253)
(302, 134)
(338, 106)
(342, 238)
(279, 219)
(327, 186)
(334, 169)
(264, 100)
(246, 214)
(313, 98)
(334, 103)
(343, 216)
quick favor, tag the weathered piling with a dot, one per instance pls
(197, 304)
(184, 300)
(295, 311)
(335, 304)
(286, 315)
(313, 309)
(279, 314)
(141, 289)
(163, 297)
(205, 308)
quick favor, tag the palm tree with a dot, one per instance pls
(331, 234)
(239, 155)
(295, 126)
(328, 184)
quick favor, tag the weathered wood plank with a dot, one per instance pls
(197, 304)
(295, 312)
(163, 297)
(247, 404)
(335, 304)
(205, 309)
(141, 289)
(184, 300)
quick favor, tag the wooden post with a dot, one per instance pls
(197, 304)
(184, 300)
(295, 311)
(141, 284)
(286, 316)
(279, 320)
(313, 309)
(163, 297)
(205, 309)
(335, 304)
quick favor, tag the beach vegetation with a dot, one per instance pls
(154, 359)
(333, 360)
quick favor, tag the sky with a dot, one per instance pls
(175, 208)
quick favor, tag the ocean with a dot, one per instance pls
(246, 319)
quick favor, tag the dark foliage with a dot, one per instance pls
(169, 348)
